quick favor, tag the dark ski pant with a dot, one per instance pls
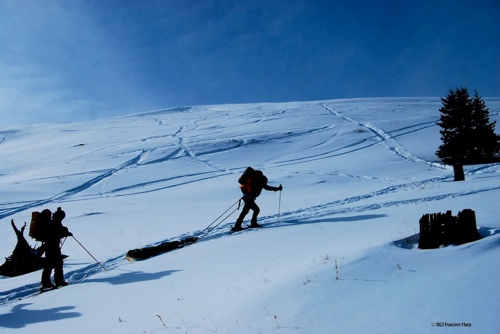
(249, 205)
(53, 260)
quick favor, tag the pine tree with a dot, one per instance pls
(466, 132)
(486, 143)
(456, 114)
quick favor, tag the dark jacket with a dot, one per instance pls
(55, 230)
(256, 183)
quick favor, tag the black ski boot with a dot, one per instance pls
(61, 284)
(254, 224)
(237, 226)
(46, 287)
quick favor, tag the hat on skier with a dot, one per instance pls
(59, 214)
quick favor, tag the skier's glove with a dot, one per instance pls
(280, 188)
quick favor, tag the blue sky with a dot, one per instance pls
(79, 60)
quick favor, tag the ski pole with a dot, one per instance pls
(99, 263)
(279, 208)
(62, 242)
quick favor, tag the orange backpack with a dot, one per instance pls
(38, 224)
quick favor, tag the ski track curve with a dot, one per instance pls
(183, 144)
(137, 161)
(347, 205)
(71, 192)
(385, 138)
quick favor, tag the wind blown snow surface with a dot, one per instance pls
(338, 251)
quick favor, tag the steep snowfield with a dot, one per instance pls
(338, 253)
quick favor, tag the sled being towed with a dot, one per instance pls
(24, 259)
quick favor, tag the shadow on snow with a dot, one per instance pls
(20, 317)
(131, 277)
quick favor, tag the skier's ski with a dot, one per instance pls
(55, 287)
(30, 292)
(232, 230)
(246, 227)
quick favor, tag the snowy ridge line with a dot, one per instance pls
(386, 138)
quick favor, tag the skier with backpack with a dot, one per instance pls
(51, 234)
(251, 184)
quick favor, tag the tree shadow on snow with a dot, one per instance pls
(131, 277)
(19, 317)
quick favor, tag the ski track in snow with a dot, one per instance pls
(182, 150)
(299, 216)
(61, 197)
(295, 217)
(384, 137)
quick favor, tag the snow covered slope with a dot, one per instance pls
(338, 253)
